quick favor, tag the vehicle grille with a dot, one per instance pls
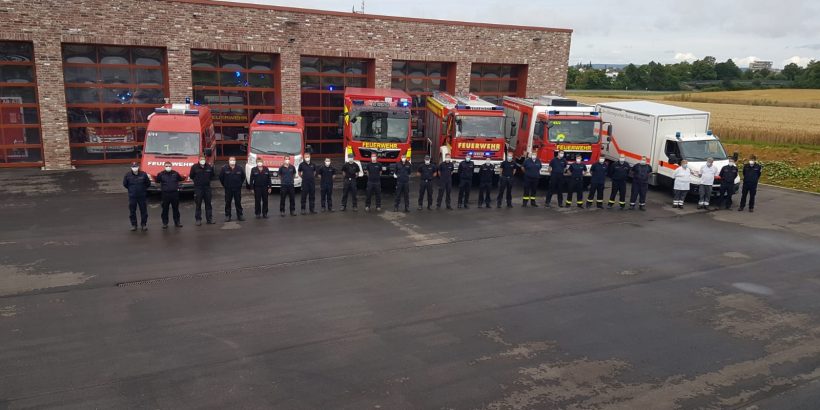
(388, 154)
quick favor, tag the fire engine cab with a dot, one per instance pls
(179, 134)
(550, 124)
(461, 125)
(272, 137)
(376, 120)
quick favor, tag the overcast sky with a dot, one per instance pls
(638, 31)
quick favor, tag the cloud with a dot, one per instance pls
(685, 57)
(811, 46)
(801, 61)
(744, 61)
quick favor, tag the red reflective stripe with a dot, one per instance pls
(618, 148)
(667, 165)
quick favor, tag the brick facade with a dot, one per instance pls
(182, 25)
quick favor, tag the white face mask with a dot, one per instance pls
(259, 164)
(373, 159)
(579, 160)
(426, 162)
(447, 159)
(621, 159)
(307, 159)
(601, 161)
(467, 158)
(560, 155)
(202, 162)
(134, 169)
(751, 162)
(731, 164)
(327, 163)
(231, 163)
(643, 162)
(403, 159)
(509, 158)
(350, 161)
(169, 168)
(685, 166)
(287, 162)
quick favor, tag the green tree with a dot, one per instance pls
(704, 69)
(592, 79)
(727, 70)
(658, 78)
(635, 77)
(810, 77)
(791, 71)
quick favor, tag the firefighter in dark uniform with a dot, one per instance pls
(350, 171)
(307, 171)
(445, 181)
(618, 171)
(260, 182)
(465, 181)
(727, 174)
(508, 168)
(576, 173)
(168, 181)
(374, 183)
(202, 174)
(557, 167)
(640, 184)
(596, 184)
(287, 173)
(326, 172)
(486, 172)
(137, 182)
(402, 175)
(751, 176)
(427, 172)
(232, 177)
(532, 174)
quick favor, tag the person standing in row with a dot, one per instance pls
(486, 172)
(326, 172)
(640, 184)
(465, 181)
(618, 172)
(287, 190)
(168, 181)
(374, 183)
(445, 181)
(261, 184)
(307, 171)
(558, 166)
(427, 172)
(576, 173)
(232, 177)
(137, 182)
(683, 178)
(707, 175)
(597, 181)
(751, 176)
(508, 168)
(350, 171)
(728, 174)
(532, 174)
(202, 174)
(402, 175)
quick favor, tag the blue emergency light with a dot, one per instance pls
(677, 135)
(161, 110)
(271, 122)
(191, 112)
(358, 102)
(595, 113)
(497, 108)
(708, 132)
(470, 153)
(404, 103)
(488, 154)
(187, 100)
(553, 112)
(462, 106)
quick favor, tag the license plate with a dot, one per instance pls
(276, 181)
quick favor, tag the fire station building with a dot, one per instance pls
(78, 78)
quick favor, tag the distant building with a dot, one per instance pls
(760, 65)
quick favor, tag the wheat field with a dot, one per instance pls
(771, 97)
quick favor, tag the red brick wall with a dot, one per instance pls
(185, 24)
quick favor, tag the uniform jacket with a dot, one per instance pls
(374, 172)
(169, 181)
(136, 184)
(288, 174)
(485, 173)
(426, 171)
(618, 171)
(445, 170)
(598, 172)
(232, 179)
(260, 179)
(751, 174)
(508, 168)
(403, 171)
(202, 175)
(728, 174)
(641, 173)
(577, 170)
(532, 168)
(465, 171)
(350, 170)
(307, 171)
(326, 173)
(557, 167)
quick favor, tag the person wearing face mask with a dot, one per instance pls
(445, 181)
(402, 175)
(307, 171)
(486, 172)
(727, 185)
(426, 171)
(597, 172)
(261, 184)
(683, 177)
(640, 184)
(137, 182)
(465, 181)
(326, 172)
(232, 177)
(169, 181)
(618, 172)
(202, 174)
(558, 166)
(707, 175)
(374, 183)
(287, 173)
(576, 173)
(532, 174)
(751, 176)
(508, 168)
(350, 171)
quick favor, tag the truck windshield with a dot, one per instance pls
(573, 131)
(701, 150)
(477, 126)
(172, 143)
(380, 126)
(276, 142)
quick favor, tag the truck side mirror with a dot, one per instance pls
(608, 138)
(340, 124)
(512, 128)
(673, 159)
(458, 125)
(208, 152)
(609, 132)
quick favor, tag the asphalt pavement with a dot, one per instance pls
(483, 308)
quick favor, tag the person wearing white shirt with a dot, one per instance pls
(707, 179)
(683, 176)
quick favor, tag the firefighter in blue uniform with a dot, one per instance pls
(557, 167)
(727, 174)
(640, 184)
(137, 182)
(465, 181)
(402, 175)
(618, 172)
(485, 182)
(576, 173)
(202, 174)
(287, 189)
(532, 173)
(374, 183)
(169, 187)
(445, 181)
(350, 171)
(326, 172)
(260, 182)
(751, 176)
(232, 177)
(596, 184)
(508, 168)
(307, 171)
(427, 172)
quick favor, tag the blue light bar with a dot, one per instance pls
(161, 110)
(708, 132)
(462, 107)
(497, 108)
(470, 153)
(553, 112)
(488, 154)
(271, 122)
(677, 135)
(595, 113)
(358, 102)
(191, 112)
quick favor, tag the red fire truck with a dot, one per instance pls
(376, 121)
(179, 134)
(461, 125)
(272, 136)
(550, 124)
